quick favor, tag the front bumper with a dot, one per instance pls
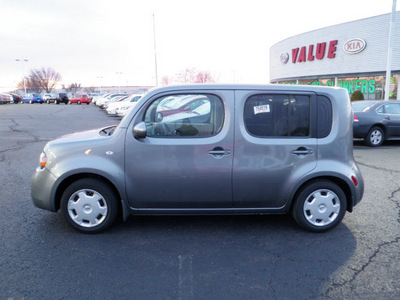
(42, 184)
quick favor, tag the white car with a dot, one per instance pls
(112, 107)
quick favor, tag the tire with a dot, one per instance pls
(48, 101)
(89, 205)
(375, 137)
(319, 206)
(30, 102)
(79, 102)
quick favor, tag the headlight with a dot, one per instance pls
(42, 160)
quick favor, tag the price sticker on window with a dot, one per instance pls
(261, 109)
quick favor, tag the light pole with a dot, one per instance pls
(22, 60)
(119, 82)
(101, 78)
(155, 50)
(390, 50)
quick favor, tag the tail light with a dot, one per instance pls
(355, 118)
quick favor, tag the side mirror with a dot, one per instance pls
(140, 130)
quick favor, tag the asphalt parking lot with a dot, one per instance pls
(228, 257)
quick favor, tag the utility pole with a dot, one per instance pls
(155, 49)
(22, 60)
(390, 51)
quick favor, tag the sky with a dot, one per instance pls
(111, 42)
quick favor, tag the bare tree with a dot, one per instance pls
(73, 88)
(43, 79)
(191, 75)
(204, 77)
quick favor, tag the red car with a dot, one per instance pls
(80, 98)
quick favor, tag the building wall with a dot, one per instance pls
(371, 61)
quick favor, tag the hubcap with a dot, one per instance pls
(87, 208)
(322, 207)
(376, 137)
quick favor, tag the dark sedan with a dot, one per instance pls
(376, 121)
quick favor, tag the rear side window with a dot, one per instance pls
(278, 115)
(185, 115)
(324, 117)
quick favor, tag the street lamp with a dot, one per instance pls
(119, 82)
(101, 78)
(22, 60)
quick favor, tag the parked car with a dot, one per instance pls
(376, 121)
(16, 98)
(80, 98)
(128, 101)
(185, 103)
(92, 95)
(249, 150)
(5, 98)
(49, 98)
(61, 98)
(108, 98)
(32, 98)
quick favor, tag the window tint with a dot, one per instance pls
(184, 116)
(324, 117)
(277, 115)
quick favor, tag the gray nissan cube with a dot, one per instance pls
(209, 149)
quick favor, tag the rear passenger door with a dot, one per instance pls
(392, 117)
(275, 145)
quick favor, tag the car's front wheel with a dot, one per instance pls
(375, 137)
(320, 206)
(89, 205)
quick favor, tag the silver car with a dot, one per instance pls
(247, 149)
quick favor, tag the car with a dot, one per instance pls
(61, 98)
(6, 98)
(105, 104)
(128, 101)
(249, 149)
(32, 98)
(16, 98)
(376, 121)
(181, 104)
(49, 98)
(103, 100)
(80, 98)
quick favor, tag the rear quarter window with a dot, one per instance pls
(324, 116)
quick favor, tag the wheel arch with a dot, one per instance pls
(74, 177)
(339, 181)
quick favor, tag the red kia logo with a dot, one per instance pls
(354, 46)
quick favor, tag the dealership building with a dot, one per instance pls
(352, 55)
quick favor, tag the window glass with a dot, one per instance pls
(277, 115)
(184, 115)
(393, 109)
(324, 117)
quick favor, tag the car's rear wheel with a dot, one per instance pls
(375, 137)
(30, 101)
(89, 205)
(79, 102)
(320, 206)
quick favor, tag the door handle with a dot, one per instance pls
(302, 152)
(219, 152)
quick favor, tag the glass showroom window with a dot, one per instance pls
(275, 115)
(185, 116)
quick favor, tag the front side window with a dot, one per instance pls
(277, 115)
(185, 115)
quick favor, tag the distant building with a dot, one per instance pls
(352, 55)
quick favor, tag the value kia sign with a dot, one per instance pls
(354, 46)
